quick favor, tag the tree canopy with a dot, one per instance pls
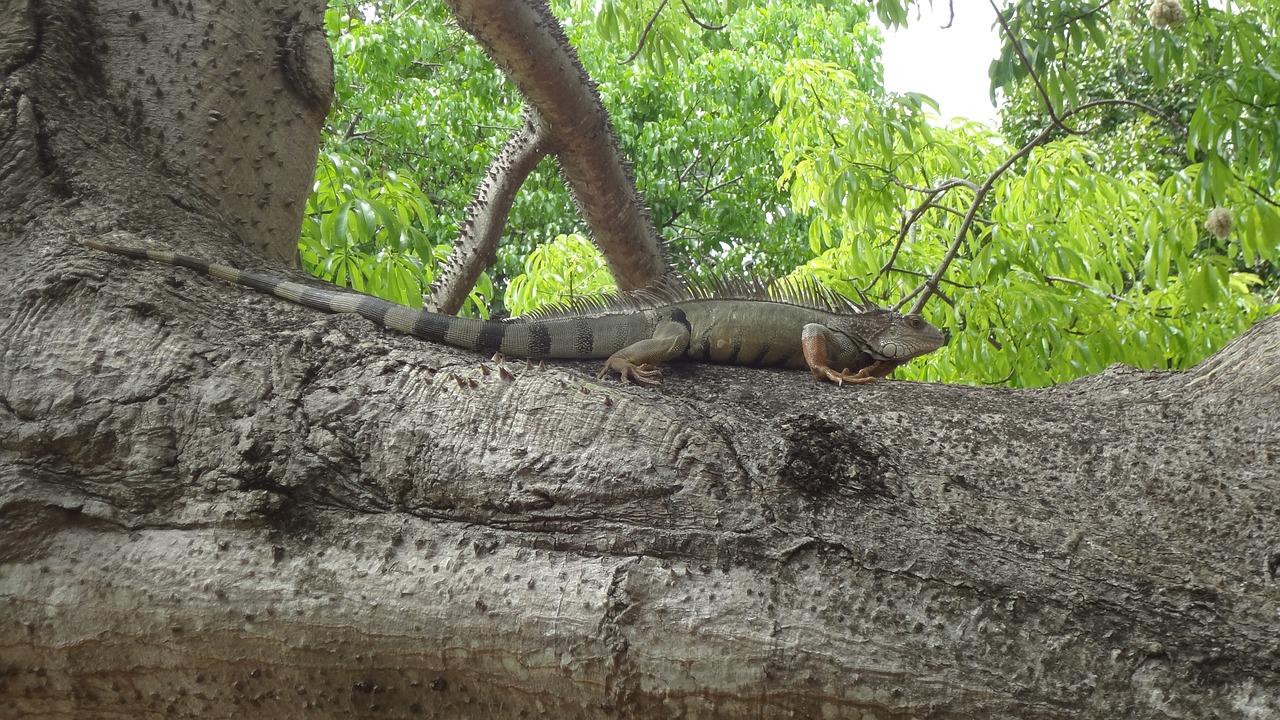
(1125, 211)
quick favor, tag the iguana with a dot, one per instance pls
(740, 322)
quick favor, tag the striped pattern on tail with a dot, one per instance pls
(553, 337)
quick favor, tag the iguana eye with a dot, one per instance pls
(915, 322)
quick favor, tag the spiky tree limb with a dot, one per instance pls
(477, 247)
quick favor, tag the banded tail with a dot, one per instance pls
(558, 337)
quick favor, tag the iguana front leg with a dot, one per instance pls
(824, 347)
(636, 362)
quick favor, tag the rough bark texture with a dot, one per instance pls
(213, 503)
(527, 42)
(114, 102)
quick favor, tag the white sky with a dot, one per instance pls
(949, 65)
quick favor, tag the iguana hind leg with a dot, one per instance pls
(636, 362)
(824, 348)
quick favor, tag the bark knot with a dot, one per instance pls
(823, 458)
(307, 63)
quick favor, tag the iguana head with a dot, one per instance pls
(887, 335)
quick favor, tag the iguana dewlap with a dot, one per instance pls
(750, 323)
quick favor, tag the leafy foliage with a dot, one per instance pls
(694, 124)
(417, 98)
(369, 231)
(1209, 88)
(1075, 261)
(562, 270)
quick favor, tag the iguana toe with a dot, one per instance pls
(645, 374)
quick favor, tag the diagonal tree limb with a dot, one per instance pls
(477, 246)
(930, 286)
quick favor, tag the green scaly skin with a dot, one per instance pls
(836, 339)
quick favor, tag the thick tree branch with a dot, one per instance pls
(373, 533)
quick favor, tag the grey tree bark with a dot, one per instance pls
(214, 503)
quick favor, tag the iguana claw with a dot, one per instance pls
(643, 374)
(861, 377)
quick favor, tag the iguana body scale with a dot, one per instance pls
(748, 323)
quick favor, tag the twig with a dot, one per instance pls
(941, 295)
(905, 229)
(929, 202)
(943, 186)
(645, 34)
(1079, 283)
(351, 128)
(705, 190)
(1257, 192)
(1017, 47)
(705, 26)
(990, 383)
(404, 12)
(918, 273)
(960, 213)
(1151, 109)
(931, 285)
(1092, 11)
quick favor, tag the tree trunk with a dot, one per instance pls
(218, 108)
(215, 503)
